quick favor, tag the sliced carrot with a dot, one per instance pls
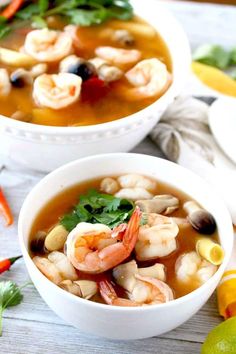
(5, 209)
(12, 8)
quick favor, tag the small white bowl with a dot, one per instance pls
(45, 148)
(123, 322)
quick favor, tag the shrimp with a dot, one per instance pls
(133, 193)
(135, 180)
(48, 46)
(92, 248)
(125, 274)
(56, 91)
(146, 291)
(191, 265)
(150, 78)
(118, 56)
(56, 267)
(5, 85)
(156, 238)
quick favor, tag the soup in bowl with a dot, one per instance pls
(124, 242)
(99, 88)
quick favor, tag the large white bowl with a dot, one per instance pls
(122, 322)
(46, 148)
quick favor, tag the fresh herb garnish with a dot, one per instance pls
(218, 57)
(10, 295)
(77, 12)
(95, 207)
(213, 55)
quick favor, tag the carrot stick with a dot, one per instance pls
(5, 209)
(12, 8)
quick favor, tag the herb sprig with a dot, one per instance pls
(77, 12)
(217, 56)
(95, 207)
(10, 295)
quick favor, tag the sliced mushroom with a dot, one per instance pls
(56, 238)
(155, 271)
(200, 219)
(109, 185)
(20, 78)
(71, 287)
(165, 204)
(88, 288)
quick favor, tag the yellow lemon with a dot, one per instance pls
(222, 339)
(215, 79)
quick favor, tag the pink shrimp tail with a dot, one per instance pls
(110, 297)
(132, 231)
(107, 291)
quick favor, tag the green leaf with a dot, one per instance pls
(38, 22)
(213, 55)
(27, 12)
(43, 6)
(4, 30)
(233, 56)
(10, 295)
(98, 207)
(87, 17)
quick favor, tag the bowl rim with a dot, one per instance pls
(74, 298)
(172, 90)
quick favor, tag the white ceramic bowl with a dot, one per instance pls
(46, 148)
(123, 322)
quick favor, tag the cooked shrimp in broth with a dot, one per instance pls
(117, 68)
(97, 243)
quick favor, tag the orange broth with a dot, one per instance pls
(112, 104)
(186, 239)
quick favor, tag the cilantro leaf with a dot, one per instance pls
(10, 295)
(213, 55)
(95, 207)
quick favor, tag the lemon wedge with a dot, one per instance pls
(215, 79)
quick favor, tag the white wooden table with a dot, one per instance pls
(32, 327)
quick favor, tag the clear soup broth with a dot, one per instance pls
(186, 239)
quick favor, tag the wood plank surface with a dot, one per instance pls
(32, 328)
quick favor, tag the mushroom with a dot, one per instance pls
(71, 287)
(37, 244)
(21, 77)
(200, 219)
(123, 37)
(82, 288)
(56, 238)
(165, 204)
(78, 66)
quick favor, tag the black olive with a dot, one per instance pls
(83, 69)
(20, 78)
